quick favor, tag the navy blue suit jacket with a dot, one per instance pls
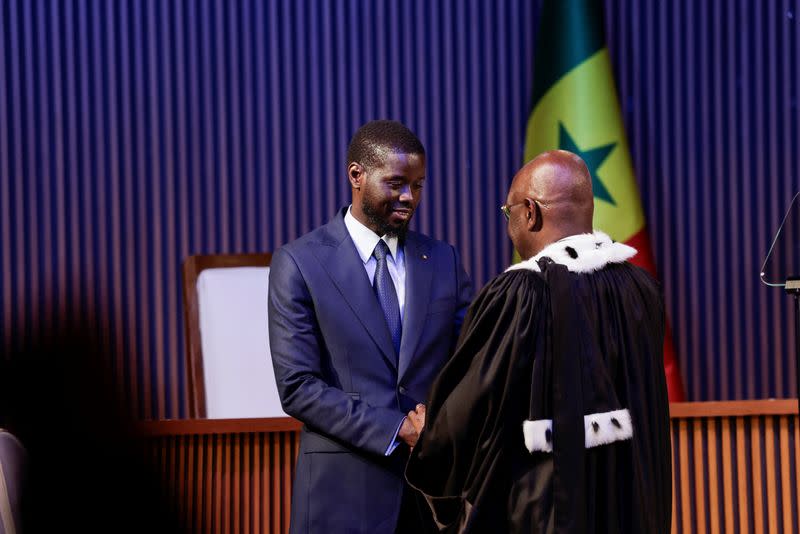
(338, 373)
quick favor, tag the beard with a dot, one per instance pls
(381, 222)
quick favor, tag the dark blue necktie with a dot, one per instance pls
(386, 293)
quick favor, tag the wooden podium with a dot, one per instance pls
(736, 467)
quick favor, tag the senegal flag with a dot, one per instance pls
(575, 108)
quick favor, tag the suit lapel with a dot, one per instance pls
(343, 264)
(419, 275)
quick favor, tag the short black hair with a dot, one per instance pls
(374, 139)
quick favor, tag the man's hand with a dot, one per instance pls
(412, 426)
(408, 433)
(417, 418)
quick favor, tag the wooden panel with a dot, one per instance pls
(736, 474)
(735, 469)
(227, 483)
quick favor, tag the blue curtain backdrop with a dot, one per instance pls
(133, 134)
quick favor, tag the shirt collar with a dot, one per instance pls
(365, 239)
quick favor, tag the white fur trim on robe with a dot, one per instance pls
(590, 252)
(599, 429)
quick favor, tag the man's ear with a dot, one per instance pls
(533, 222)
(355, 173)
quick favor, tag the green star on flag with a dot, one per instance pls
(593, 158)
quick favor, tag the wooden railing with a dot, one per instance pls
(736, 467)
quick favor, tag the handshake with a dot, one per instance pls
(412, 425)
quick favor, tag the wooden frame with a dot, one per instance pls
(192, 267)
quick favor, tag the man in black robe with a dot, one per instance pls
(552, 415)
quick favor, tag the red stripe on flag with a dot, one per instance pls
(644, 259)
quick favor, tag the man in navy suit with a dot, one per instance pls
(363, 313)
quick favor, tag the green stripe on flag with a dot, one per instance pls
(570, 31)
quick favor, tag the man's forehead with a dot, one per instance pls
(403, 158)
(394, 161)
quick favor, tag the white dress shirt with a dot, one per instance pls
(366, 240)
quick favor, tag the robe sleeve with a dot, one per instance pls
(473, 414)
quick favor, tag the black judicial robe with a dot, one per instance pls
(552, 415)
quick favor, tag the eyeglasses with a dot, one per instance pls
(506, 208)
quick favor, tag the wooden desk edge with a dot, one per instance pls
(182, 427)
(688, 410)
(677, 410)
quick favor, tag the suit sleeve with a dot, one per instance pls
(297, 356)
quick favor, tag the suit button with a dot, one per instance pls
(403, 390)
